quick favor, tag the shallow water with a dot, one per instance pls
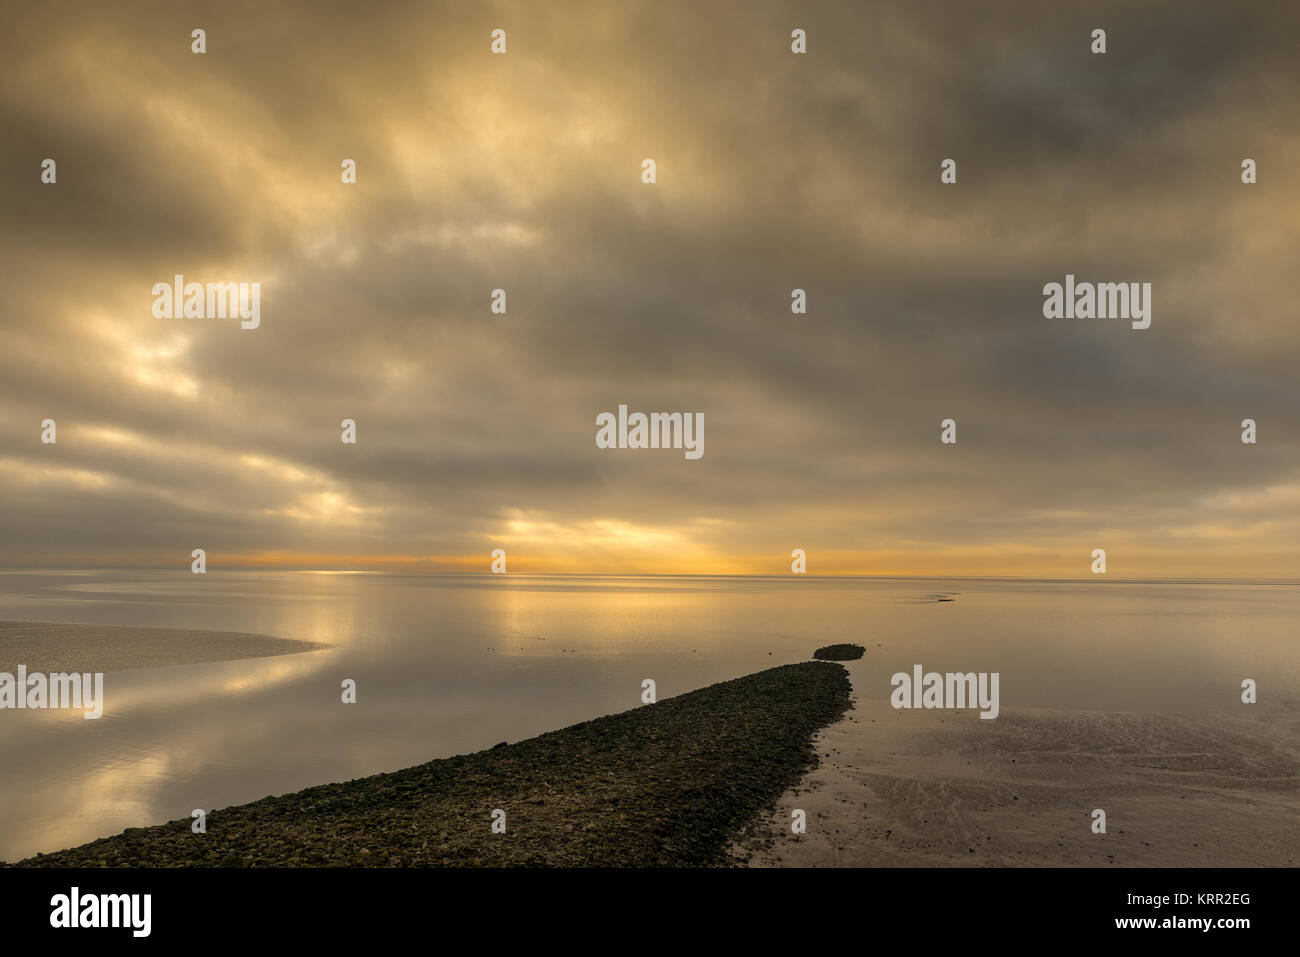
(449, 664)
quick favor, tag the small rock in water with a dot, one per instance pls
(839, 653)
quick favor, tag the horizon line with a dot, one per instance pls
(667, 575)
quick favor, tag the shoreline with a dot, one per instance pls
(668, 784)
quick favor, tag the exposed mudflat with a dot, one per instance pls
(67, 647)
(945, 788)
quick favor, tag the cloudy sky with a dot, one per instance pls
(775, 171)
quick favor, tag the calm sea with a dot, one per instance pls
(449, 664)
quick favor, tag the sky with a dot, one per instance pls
(774, 171)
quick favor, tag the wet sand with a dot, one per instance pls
(68, 647)
(945, 788)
